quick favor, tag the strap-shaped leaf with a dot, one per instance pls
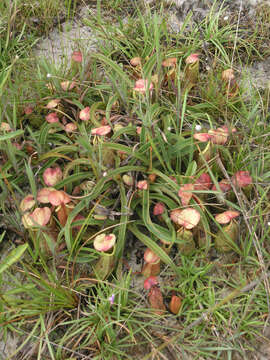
(11, 135)
(123, 223)
(13, 257)
(114, 66)
(160, 232)
(153, 246)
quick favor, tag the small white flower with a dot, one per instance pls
(169, 128)
(105, 173)
(49, 75)
(226, 17)
(268, 223)
(198, 128)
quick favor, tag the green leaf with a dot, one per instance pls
(13, 257)
(2, 236)
(11, 135)
(31, 178)
(114, 66)
(191, 169)
(123, 224)
(94, 107)
(4, 77)
(160, 232)
(128, 150)
(153, 246)
(53, 154)
(73, 178)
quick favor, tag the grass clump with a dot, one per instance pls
(146, 144)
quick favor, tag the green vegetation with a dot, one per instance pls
(150, 143)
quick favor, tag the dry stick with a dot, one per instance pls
(232, 295)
